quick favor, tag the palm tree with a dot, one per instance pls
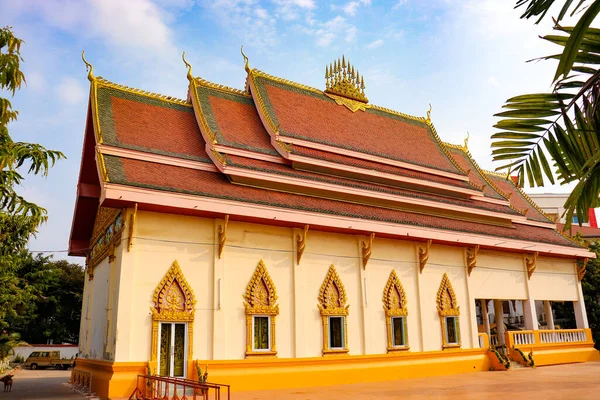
(8, 341)
(556, 135)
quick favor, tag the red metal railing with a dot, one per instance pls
(167, 388)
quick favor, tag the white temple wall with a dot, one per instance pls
(499, 276)
(449, 260)
(554, 279)
(246, 245)
(378, 272)
(220, 333)
(97, 327)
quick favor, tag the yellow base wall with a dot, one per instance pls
(554, 355)
(112, 379)
(266, 374)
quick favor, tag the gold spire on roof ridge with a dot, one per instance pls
(246, 61)
(88, 67)
(342, 79)
(189, 67)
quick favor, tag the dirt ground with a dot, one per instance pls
(573, 382)
(44, 384)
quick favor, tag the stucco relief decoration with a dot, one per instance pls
(332, 296)
(446, 299)
(108, 228)
(173, 298)
(261, 294)
(394, 297)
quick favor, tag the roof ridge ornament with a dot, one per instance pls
(246, 61)
(189, 67)
(429, 114)
(88, 67)
(342, 79)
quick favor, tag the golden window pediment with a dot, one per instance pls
(446, 299)
(332, 295)
(394, 297)
(261, 295)
(173, 298)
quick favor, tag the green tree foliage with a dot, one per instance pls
(54, 311)
(556, 135)
(590, 285)
(19, 218)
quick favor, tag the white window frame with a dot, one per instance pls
(342, 318)
(269, 329)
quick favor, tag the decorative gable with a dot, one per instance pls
(446, 299)
(173, 297)
(332, 296)
(261, 294)
(394, 297)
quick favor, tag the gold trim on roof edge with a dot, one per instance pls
(480, 171)
(102, 166)
(200, 114)
(170, 99)
(529, 199)
(201, 81)
(444, 149)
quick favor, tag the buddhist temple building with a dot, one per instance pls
(290, 236)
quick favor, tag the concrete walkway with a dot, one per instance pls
(573, 381)
(40, 385)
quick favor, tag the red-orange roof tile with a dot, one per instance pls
(138, 122)
(314, 117)
(209, 184)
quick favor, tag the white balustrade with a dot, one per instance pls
(523, 338)
(563, 336)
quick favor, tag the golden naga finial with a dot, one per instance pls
(342, 79)
(247, 65)
(466, 146)
(189, 67)
(429, 113)
(88, 67)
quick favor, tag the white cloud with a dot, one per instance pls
(71, 91)
(327, 32)
(493, 81)
(351, 7)
(375, 44)
(399, 4)
(129, 24)
(290, 9)
(351, 34)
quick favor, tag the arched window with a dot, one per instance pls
(394, 305)
(334, 313)
(449, 313)
(172, 324)
(261, 311)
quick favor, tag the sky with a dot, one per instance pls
(464, 57)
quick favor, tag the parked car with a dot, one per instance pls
(46, 359)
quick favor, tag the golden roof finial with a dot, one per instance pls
(247, 64)
(466, 146)
(429, 113)
(88, 67)
(342, 79)
(189, 67)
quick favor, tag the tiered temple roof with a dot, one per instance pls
(283, 153)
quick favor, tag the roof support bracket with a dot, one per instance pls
(366, 250)
(424, 256)
(472, 258)
(132, 218)
(581, 268)
(223, 235)
(301, 244)
(531, 264)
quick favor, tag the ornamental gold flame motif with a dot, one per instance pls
(343, 80)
